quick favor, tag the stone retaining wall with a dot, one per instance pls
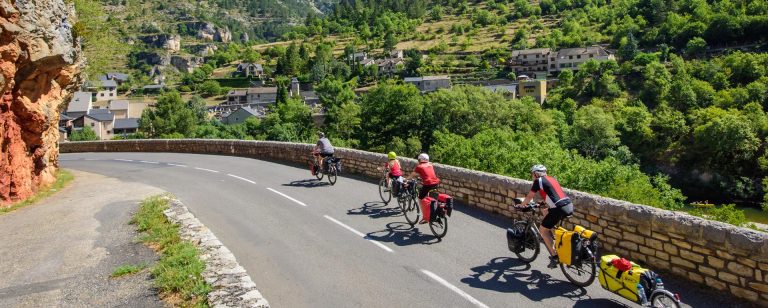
(721, 256)
(232, 287)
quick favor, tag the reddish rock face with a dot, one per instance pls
(39, 69)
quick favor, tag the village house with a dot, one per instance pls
(358, 57)
(104, 90)
(572, 58)
(390, 66)
(531, 61)
(101, 121)
(80, 104)
(533, 88)
(430, 83)
(126, 126)
(120, 78)
(251, 70)
(120, 108)
(262, 95)
(242, 114)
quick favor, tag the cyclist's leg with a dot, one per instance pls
(551, 219)
(423, 193)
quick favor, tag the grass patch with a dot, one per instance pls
(178, 274)
(127, 269)
(63, 177)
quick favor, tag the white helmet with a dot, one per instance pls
(538, 168)
(423, 157)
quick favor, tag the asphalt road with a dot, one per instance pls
(308, 244)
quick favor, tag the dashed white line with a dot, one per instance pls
(177, 165)
(454, 289)
(209, 170)
(126, 160)
(287, 197)
(239, 178)
(360, 234)
(149, 162)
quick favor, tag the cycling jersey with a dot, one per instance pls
(549, 190)
(325, 146)
(427, 173)
(394, 169)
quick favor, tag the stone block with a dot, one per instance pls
(703, 250)
(644, 230)
(656, 262)
(725, 255)
(716, 284)
(683, 262)
(707, 271)
(634, 238)
(763, 288)
(592, 218)
(628, 245)
(628, 228)
(728, 277)
(695, 277)
(683, 245)
(740, 269)
(748, 262)
(612, 233)
(660, 236)
(695, 257)
(647, 251)
(744, 293)
(662, 255)
(655, 244)
(671, 249)
(715, 262)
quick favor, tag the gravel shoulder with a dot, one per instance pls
(61, 252)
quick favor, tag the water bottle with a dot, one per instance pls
(641, 294)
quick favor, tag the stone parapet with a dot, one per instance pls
(719, 255)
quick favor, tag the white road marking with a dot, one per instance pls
(126, 160)
(244, 179)
(454, 288)
(176, 165)
(360, 234)
(287, 196)
(209, 170)
(91, 159)
(149, 162)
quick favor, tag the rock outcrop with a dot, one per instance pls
(40, 64)
(166, 41)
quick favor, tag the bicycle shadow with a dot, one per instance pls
(376, 209)
(308, 183)
(401, 234)
(510, 275)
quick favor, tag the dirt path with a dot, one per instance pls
(61, 252)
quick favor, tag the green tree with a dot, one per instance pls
(209, 88)
(198, 106)
(656, 85)
(695, 46)
(722, 142)
(85, 134)
(628, 47)
(170, 116)
(390, 110)
(593, 132)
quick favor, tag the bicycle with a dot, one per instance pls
(331, 167)
(385, 187)
(440, 209)
(581, 273)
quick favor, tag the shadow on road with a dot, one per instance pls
(401, 234)
(509, 275)
(308, 183)
(375, 209)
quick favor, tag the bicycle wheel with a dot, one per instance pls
(412, 210)
(439, 226)
(583, 273)
(332, 174)
(384, 192)
(530, 242)
(664, 299)
(318, 173)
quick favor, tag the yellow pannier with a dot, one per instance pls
(568, 243)
(623, 283)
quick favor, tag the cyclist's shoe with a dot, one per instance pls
(553, 262)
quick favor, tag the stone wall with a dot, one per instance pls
(721, 256)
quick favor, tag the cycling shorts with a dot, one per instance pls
(556, 214)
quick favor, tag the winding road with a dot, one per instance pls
(308, 244)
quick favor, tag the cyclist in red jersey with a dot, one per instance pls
(429, 181)
(558, 207)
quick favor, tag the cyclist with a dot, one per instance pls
(395, 172)
(429, 181)
(323, 149)
(558, 207)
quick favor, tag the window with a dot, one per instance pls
(93, 124)
(108, 132)
(591, 55)
(570, 57)
(525, 56)
(102, 94)
(578, 57)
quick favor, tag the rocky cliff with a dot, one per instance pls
(40, 64)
